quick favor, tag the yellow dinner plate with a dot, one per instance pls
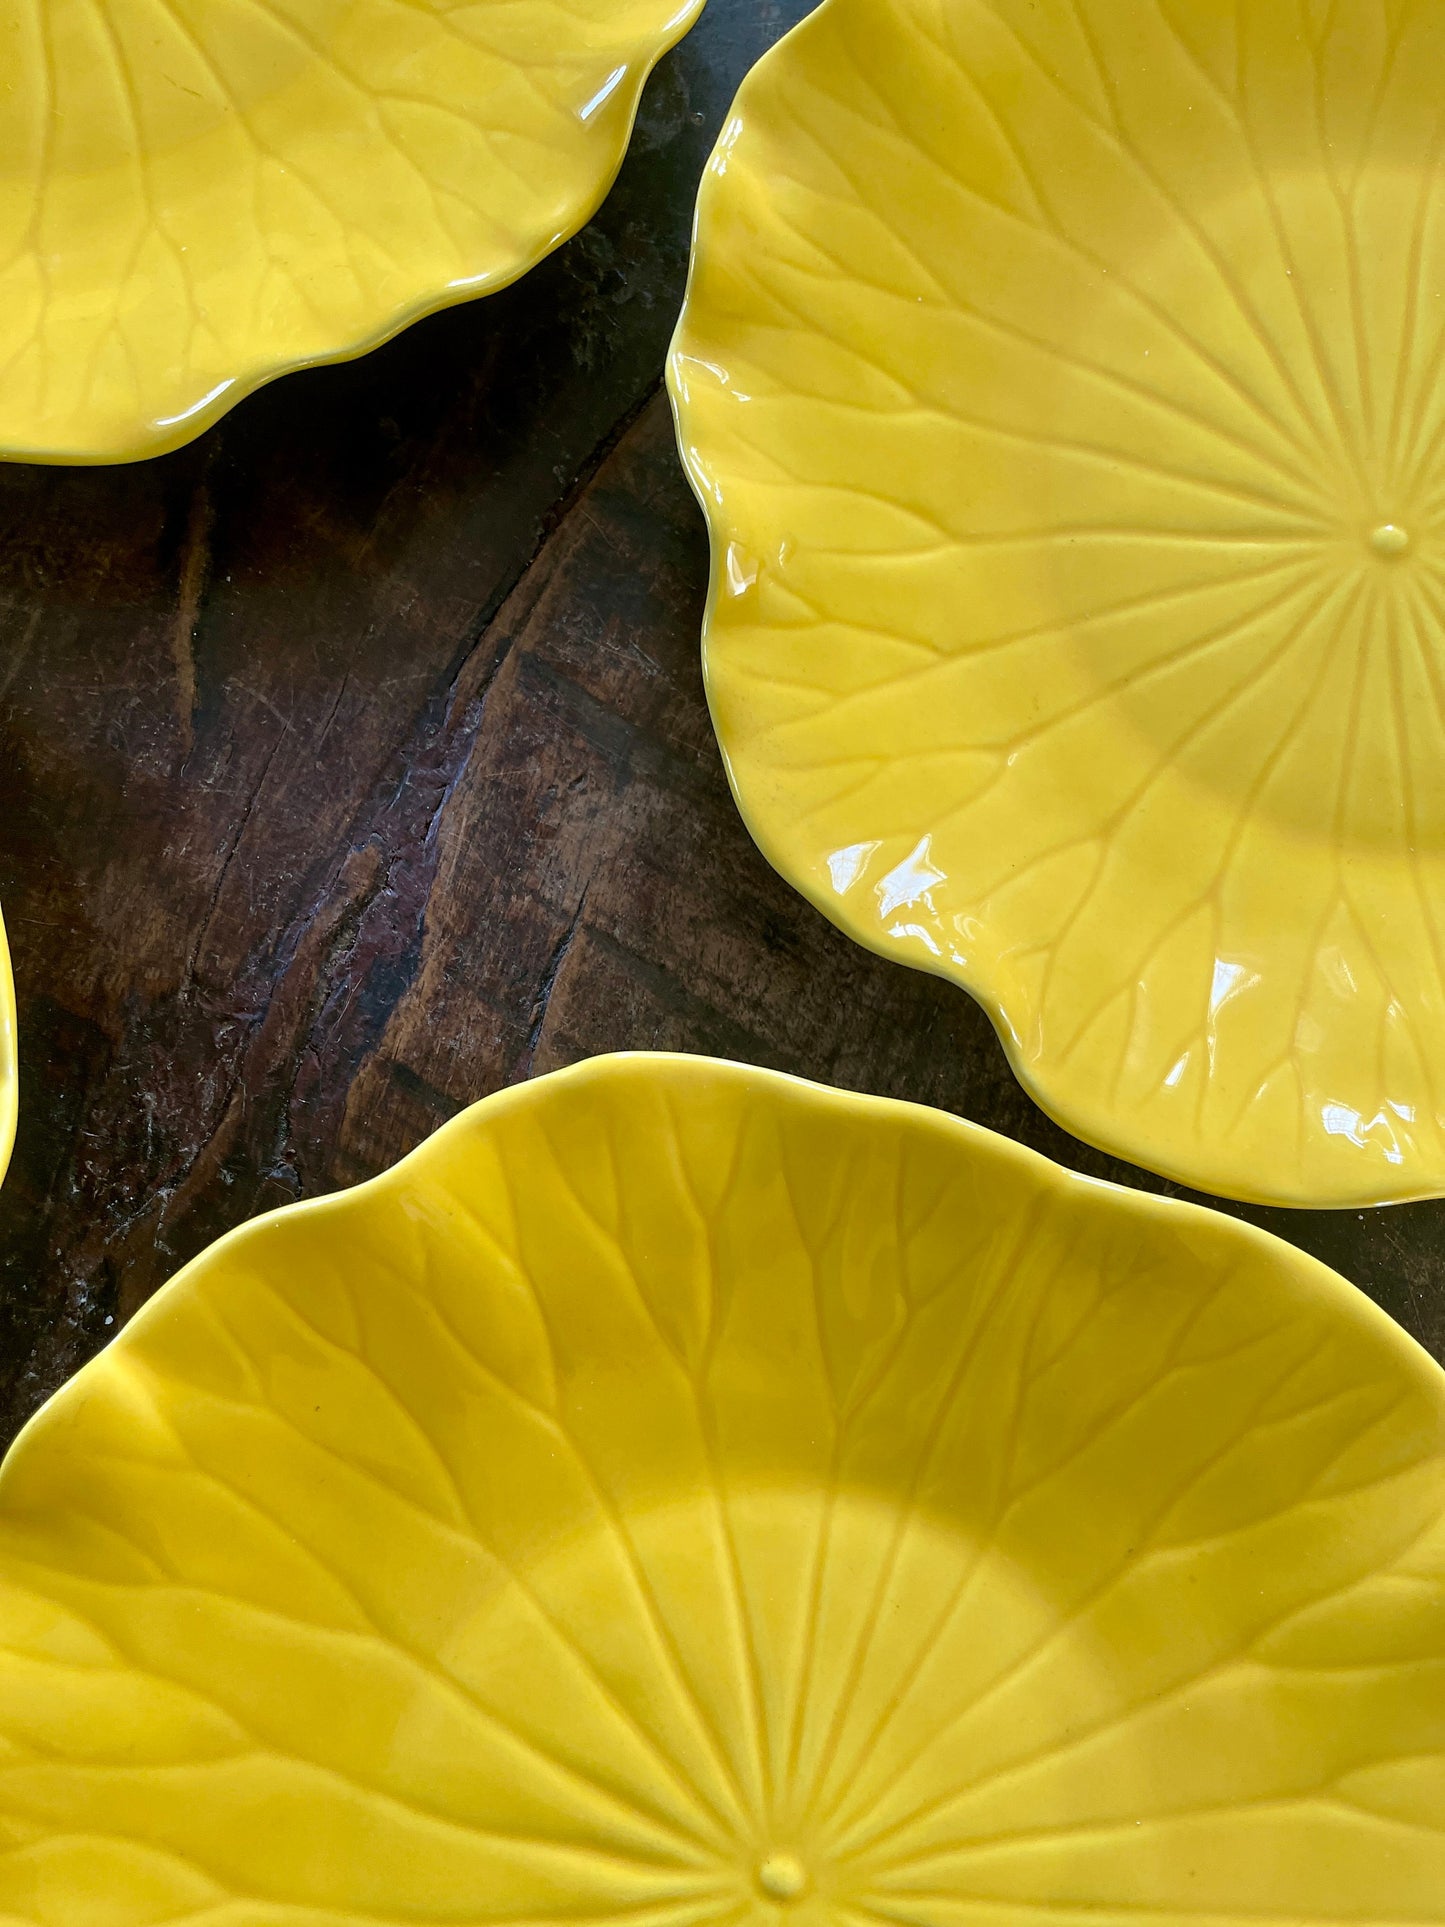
(196, 195)
(9, 1073)
(1064, 381)
(677, 1494)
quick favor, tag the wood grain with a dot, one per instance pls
(354, 763)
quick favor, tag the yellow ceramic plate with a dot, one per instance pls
(677, 1494)
(1064, 381)
(9, 1074)
(196, 195)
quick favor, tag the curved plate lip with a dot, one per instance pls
(1097, 1127)
(1297, 1269)
(9, 1056)
(150, 439)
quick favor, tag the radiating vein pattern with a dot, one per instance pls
(1065, 385)
(196, 194)
(678, 1495)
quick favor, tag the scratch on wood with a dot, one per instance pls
(18, 650)
(195, 567)
(235, 843)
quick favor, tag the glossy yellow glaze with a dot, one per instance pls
(196, 195)
(1064, 382)
(677, 1494)
(9, 1063)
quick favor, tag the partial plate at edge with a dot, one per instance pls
(197, 196)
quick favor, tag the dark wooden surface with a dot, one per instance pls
(354, 763)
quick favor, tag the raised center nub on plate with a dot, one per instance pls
(1389, 539)
(782, 1876)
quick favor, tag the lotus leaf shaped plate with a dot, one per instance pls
(677, 1494)
(1064, 382)
(196, 195)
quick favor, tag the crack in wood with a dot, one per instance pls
(551, 972)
